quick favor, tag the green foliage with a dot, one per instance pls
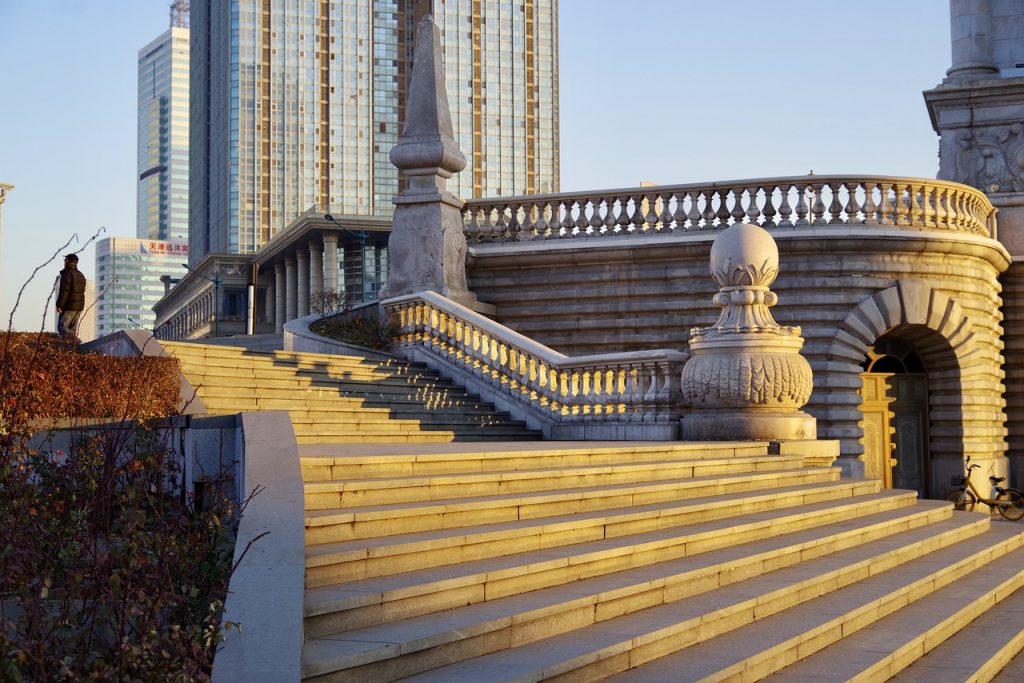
(105, 572)
(358, 329)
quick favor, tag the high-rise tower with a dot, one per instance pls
(297, 104)
(162, 199)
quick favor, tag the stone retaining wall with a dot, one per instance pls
(844, 285)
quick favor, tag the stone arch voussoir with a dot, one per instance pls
(910, 302)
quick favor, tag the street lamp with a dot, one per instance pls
(362, 254)
(216, 295)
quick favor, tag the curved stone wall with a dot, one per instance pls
(845, 286)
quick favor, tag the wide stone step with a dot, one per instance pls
(360, 559)
(977, 650)
(564, 486)
(758, 649)
(325, 401)
(527, 643)
(644, 569)
(395, 438)
(325, 462)
(331, 524)
(285, 380)
(1012, 672)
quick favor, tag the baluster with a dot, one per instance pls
(835, 207)
(622, 219)
(785, 210)
(852, 206)
(901, 208)
(885, 207)
(870, 207)
(651, 217)
(637, 215)
(633, 394)
(941, 215)
(665, 393)
(737, 212)
(753, 212)
(693, 214)
(707, 213)
(582, 222)
(955, 210)
(472, 226)
(567, 220)
(801, 205)
(651, 393)
(917, 214)
(928, 201)
(596, 219)
(540, 225)
(665, 217)
(528, 224)
(818, 207)
(723, 208)
(679, 216)
(609, 216)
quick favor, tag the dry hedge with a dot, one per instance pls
(43, 376)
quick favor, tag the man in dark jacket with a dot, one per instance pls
(70, 298)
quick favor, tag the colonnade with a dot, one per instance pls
(299, 276)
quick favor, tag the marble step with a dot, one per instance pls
(359, 559)
(286, 379)
(701, 477)
(325, 463)
(765, 646)
(642, 569)
(508, 646)
(336, 523)
(978, 650)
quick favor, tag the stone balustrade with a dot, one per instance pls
(811, 200)
(630, 395)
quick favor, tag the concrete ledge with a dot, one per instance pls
(298, 337)
(266, 591)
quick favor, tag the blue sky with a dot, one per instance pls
(670, 91)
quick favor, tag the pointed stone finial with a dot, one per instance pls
(746, 378)
(426, 150)
(427, 247)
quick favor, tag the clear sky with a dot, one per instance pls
(670, 91)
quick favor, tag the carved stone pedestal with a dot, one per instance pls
(746, 378)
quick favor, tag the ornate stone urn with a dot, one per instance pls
(745, 378)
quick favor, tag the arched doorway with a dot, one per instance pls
(894, 405)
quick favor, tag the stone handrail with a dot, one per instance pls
(638, 387)
(811, 200)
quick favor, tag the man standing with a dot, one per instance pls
(70, 298)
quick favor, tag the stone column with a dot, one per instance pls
(316, 269)
(971, 33)
(427, 248)
(302, 260)
(745, 377)
(280, 293)
(269, 300)
(291, 300)
(330, 262)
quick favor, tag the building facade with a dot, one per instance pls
(296, 105)
(162, 196)
(128, 281)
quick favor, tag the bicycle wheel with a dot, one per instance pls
(1011, 505)
(962, 499)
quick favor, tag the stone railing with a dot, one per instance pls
(811, 200)
(620, 395)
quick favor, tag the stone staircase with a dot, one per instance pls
(332, 398)
(654, 562)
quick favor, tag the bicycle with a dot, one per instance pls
(1008, 501)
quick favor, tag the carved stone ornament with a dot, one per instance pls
(745, 377)
(991, 159)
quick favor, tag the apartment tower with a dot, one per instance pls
(296, 104)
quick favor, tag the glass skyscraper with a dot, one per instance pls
(162, 199)
(297, 103)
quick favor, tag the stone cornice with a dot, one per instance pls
(977, 94)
